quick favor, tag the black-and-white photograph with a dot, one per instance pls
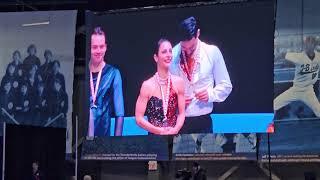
(216, 143)
(296, 62)
(37, 59)
(296, 83)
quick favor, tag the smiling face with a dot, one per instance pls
(164, 55)
(98, 48)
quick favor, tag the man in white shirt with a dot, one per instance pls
(306, 75)
(204, 72)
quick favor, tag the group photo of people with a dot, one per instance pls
(33, 90)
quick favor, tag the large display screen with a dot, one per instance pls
(36, 69)
(196, 69)
(296, 85)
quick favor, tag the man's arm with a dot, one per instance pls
(293, 57)
(118, 104)
(223, 86)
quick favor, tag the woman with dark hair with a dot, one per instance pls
(6, 102)
(161, 96)
(31, 58)
(32, 80)
(9, 76)
(16, 62)
(55, 74)
(58, 105)
(23, 104)
(41, 106)
(45, 69)
(18, 75)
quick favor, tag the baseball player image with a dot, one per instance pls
(306, 75)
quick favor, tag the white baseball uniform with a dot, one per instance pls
(306, 75)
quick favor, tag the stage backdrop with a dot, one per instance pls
(297, 136)
(36, 69)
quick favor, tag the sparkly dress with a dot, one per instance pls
(155, 113)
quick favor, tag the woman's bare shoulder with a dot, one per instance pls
(147, 87)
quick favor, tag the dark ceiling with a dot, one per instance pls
(94, 5)
(81, 6)
(97, 5)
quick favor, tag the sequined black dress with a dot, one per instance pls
(155, 113)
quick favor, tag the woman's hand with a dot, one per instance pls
(173, 131)
(168, 131)
(165, 130)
